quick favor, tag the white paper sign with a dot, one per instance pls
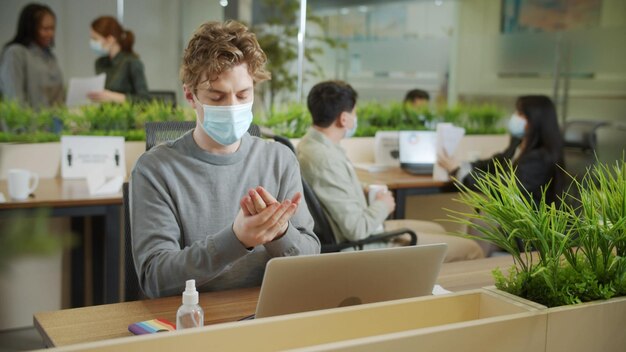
(80, 86)
(84, 155)
(448, 139)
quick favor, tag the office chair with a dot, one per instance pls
(132, 290)
(164, 96)
(322, 227)
(580, 142)
(163, 131)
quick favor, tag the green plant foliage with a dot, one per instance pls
(23, 125)
(292, 120)
(578, 250)
(24, 235)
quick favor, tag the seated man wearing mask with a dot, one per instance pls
(216, 204)
(330, 174)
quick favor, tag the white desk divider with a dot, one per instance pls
(476, 320)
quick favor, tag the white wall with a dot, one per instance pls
(482, 54)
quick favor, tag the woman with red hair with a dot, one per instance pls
(125, 77)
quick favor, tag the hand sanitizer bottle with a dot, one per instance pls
(190, 314)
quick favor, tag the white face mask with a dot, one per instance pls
(350, 132)
(97, 47)
(517, 125)
(226, 124)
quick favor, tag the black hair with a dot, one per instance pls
(28, 23)
(327, 100)
(416, 94)
(544, 133)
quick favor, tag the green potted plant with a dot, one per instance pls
(564, 255)
(30, 267)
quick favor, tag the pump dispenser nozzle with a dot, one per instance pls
(190, 296)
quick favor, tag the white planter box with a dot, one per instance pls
(476, 320)
(29, 285)
(590, 326)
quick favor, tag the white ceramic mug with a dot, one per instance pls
(21, 183)
(373, 190)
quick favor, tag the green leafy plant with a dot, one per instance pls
(24, 125)
(29, 235)
(277, 36)
(563, 254)
(292, 120)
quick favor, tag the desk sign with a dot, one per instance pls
(84, 155)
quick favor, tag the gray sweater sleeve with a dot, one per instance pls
(299, 239)
(170, 217)
(12, 73)
(160, 261)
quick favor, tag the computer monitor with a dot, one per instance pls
(418, 151)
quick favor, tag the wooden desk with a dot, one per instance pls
(403, 185)
(71, 198)
(96, 323)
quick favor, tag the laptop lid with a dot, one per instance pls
(313, 282)
(418, 151)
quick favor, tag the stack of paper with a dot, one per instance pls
(448, 139)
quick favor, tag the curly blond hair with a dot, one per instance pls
(216, 47)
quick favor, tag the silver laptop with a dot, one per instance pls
(418, 151)
(313, 282)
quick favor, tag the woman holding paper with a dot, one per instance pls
(125, 77)
(535, 151)
(29, 71)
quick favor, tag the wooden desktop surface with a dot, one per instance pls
(396, 178)
(71, 326)
(56, 192)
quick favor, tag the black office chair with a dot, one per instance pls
(163, 131)
(164, 96)
(580, 142)
(132, 290)
(322, 227)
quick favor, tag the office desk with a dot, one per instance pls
(403, 184)
(96, 323)
(71, 198)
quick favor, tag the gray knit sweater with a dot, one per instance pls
(183, 204)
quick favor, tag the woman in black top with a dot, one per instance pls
(535, 150)
(125, 77)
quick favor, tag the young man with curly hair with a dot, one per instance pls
(216, 204)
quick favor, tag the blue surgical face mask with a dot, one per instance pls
(350, 132)
(517, 125)
(97, 47)
(227, 124)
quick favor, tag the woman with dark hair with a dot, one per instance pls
(535, 151)
(125, 77)
(29, 72)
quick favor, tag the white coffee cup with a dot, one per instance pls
(21, 183)
(373, 191)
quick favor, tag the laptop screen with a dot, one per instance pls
(418, 151)
(313, 282)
